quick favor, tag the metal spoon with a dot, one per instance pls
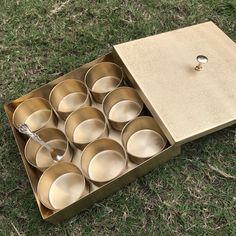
(56, 154)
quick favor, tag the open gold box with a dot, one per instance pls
(186, 103)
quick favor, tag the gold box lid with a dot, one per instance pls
(187, 103)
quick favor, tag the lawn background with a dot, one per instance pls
(40, 40)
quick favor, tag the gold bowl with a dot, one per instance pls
(68, 96)
(85, 125)
(61, 185)
(36, 112)
(102, 78)
(142, 139)
(39, 157)
(121, 106)
(103, 160)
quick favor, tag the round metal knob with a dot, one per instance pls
(201, 60)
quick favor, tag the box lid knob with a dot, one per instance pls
(201, 60)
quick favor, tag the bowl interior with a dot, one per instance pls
(143, 137)
(68, 95)
(85, 125)
(38, 156)
(60, 185)
(103, 77)
(34, 112)
(103, 160)
(122, 105)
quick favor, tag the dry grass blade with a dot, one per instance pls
(57, 8)
(222, 173)
(18, 233)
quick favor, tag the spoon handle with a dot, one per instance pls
(24, 129)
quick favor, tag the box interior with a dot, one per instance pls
(96, 193)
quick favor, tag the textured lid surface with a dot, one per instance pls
(187, 103)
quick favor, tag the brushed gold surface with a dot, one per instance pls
(113, 161)
(108, 188)
(39, 156)
(32, 173)
(143, 138)
(65, 190)
(103, 160)
(68, 96)
(121, 106)
(36, 113)
(61, 185)
(186, 103)
(85, 125)
(99, 192)
(145, 143)
(103, 78)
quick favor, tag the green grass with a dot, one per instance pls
(182, 197)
